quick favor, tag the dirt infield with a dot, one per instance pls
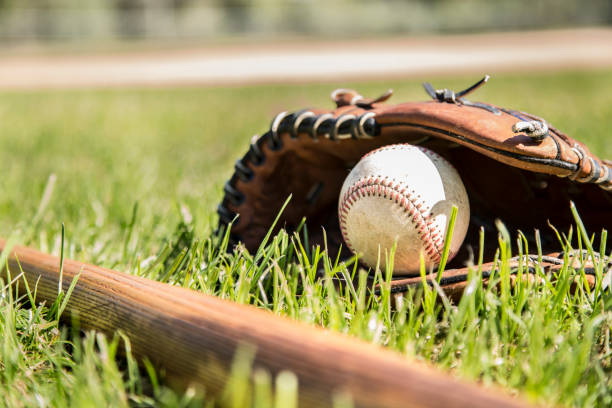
(310, 61)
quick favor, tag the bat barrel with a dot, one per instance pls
(194, 338)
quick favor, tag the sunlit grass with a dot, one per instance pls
(135, 176)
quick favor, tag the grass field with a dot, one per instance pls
(135, 176)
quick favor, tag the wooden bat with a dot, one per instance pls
(194, 338)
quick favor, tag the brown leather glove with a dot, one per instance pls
(514, 165)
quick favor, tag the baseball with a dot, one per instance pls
(402, 194)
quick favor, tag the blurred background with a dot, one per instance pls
(76, 43)
(95, 21)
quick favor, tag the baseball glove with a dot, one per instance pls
(515, 166)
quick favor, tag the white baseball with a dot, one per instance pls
(402, 193)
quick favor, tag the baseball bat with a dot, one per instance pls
(194, 338)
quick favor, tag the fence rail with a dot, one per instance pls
(96, 19)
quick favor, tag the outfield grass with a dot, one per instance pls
(135, 176)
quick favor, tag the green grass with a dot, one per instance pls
(135, 176)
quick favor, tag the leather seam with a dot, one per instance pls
(530, 159)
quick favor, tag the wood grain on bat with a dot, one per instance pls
(194, 338)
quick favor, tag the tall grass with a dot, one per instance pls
(548, 337)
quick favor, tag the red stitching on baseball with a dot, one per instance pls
(386, 188)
